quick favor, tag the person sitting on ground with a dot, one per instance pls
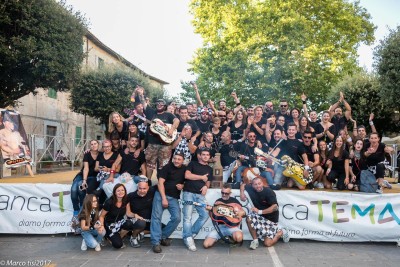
(234, 232)
(92, 230)
(263, 219)
(357, 164)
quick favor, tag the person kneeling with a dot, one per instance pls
(263, 219)
(224, 229)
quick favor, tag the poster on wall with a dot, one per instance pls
(13, 140)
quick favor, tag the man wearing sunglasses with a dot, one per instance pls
(311, 159)
(234, 232)
(157, 153)
(284, 111)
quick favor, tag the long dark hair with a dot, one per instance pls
(114, 194)
(87, 208)
(332, 152)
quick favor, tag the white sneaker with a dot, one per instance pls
(190, 244)
(254, 244)
(320, 186)
(83, 246)
(386, 184)
(98, 247)
(285, 236)
(134, 242)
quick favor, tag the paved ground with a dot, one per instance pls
(61, 250)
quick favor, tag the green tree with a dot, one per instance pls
(41, 45)
(99, 92)
(387, 63)
(276, 48)
(362, 92)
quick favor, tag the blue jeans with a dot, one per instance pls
(278, 170)
(92, 237)
(265, 174)
(77, 196)
(188, 229)
(156, 231)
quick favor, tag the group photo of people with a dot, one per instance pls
(160, 156)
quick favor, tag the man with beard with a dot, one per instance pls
(283, 111)
(263, 219)
(336, 114)
(157, 153)
(204, 122)
(311, 159)
(198, 177)
(170, 183)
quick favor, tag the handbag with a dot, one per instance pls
(368, 183)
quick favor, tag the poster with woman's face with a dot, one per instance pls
(13, 140)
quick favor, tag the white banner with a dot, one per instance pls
(317, 215)
(35, 208)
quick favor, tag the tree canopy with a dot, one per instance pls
(387, 63)
(41, 45)
(99, 92)
(362, 92)
(270, 49)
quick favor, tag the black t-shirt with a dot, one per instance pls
(131, 164)
(260, 137)
(282, 146)
(123, 135)
(307, 149)
(194, 186)
(378, 156)
(229, 153)
(248, 151)
(92, 163)
(107, 162)
(340, 123)
(203, 127)
(142, 205)
(338, 163)
(320, 129)
(236, 132)
(263, 200)
(172, 176)
(114, 214)
(292, 149)
(165, 117)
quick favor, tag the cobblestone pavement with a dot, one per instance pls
(62, 250)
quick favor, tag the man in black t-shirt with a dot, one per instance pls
(226, 230)
(184, 120)
(139, 211)
(336, 113)
(204, 123)
(157, 153)
(263, 219)
(198, 177)
(170, 183)
(229, 154)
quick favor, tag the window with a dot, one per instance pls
(78, 135)
(100, 63)
(52, 93)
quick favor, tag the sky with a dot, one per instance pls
(158, 37)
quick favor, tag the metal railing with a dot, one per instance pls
(56, 152)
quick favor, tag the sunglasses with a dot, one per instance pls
(250, 136)
(307, 137)
(283, 106)
(225, 193)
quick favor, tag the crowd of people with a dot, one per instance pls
(261, 148)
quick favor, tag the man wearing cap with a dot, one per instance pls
(157, 153)
(204, 123)
(170, 183)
